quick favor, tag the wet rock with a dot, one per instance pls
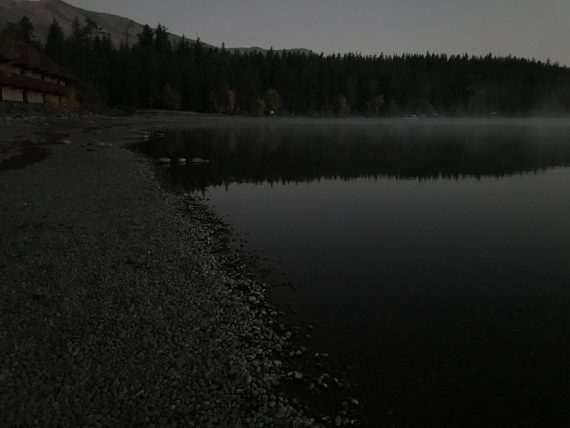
(200, 161)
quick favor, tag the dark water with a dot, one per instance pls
(434, 257)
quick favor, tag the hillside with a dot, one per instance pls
(43, 12)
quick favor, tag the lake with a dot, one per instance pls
(432, 256)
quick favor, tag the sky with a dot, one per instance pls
(528, 28)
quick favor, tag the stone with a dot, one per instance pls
(199, 161)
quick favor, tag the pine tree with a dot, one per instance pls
(6, 52)
(27, 31)
(156, 72)
(55, 42)
(272, 99)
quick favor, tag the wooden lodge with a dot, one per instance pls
(27, 75)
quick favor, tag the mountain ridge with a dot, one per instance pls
(43, 12)
(120, 28)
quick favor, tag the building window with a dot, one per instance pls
(12, 94)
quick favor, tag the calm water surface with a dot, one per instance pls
(434, 257)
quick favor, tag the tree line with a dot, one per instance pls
(157, 72)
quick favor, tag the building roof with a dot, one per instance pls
(27, 56)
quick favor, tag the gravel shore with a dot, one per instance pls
(119, 303)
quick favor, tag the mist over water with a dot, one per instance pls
(432, 256)
(305, 151)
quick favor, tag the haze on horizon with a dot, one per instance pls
(525, 28)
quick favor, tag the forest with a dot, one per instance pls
(159, 73)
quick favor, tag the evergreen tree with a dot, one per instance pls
(26, 29)
(272, 99)
(170, 99)
(55, 42)
(192, 76)
(23, 31)
(6, 53)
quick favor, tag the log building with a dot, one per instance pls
(27, 75)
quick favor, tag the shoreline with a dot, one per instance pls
(125, 302)
(315, 379)
(119, 305)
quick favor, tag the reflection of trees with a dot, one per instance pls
(173, 145)
(311, 152)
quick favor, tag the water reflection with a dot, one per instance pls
(277, 152)
(448, 297)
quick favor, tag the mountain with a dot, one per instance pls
(43, 12)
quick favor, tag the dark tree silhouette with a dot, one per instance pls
(159, 72)
(55, 42)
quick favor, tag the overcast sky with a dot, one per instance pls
(529, 28)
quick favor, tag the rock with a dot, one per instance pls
(102, 145)
(177, 354)
(200, 161)
(66, 141)
(181, 161)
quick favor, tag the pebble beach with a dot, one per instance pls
(120, 303)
